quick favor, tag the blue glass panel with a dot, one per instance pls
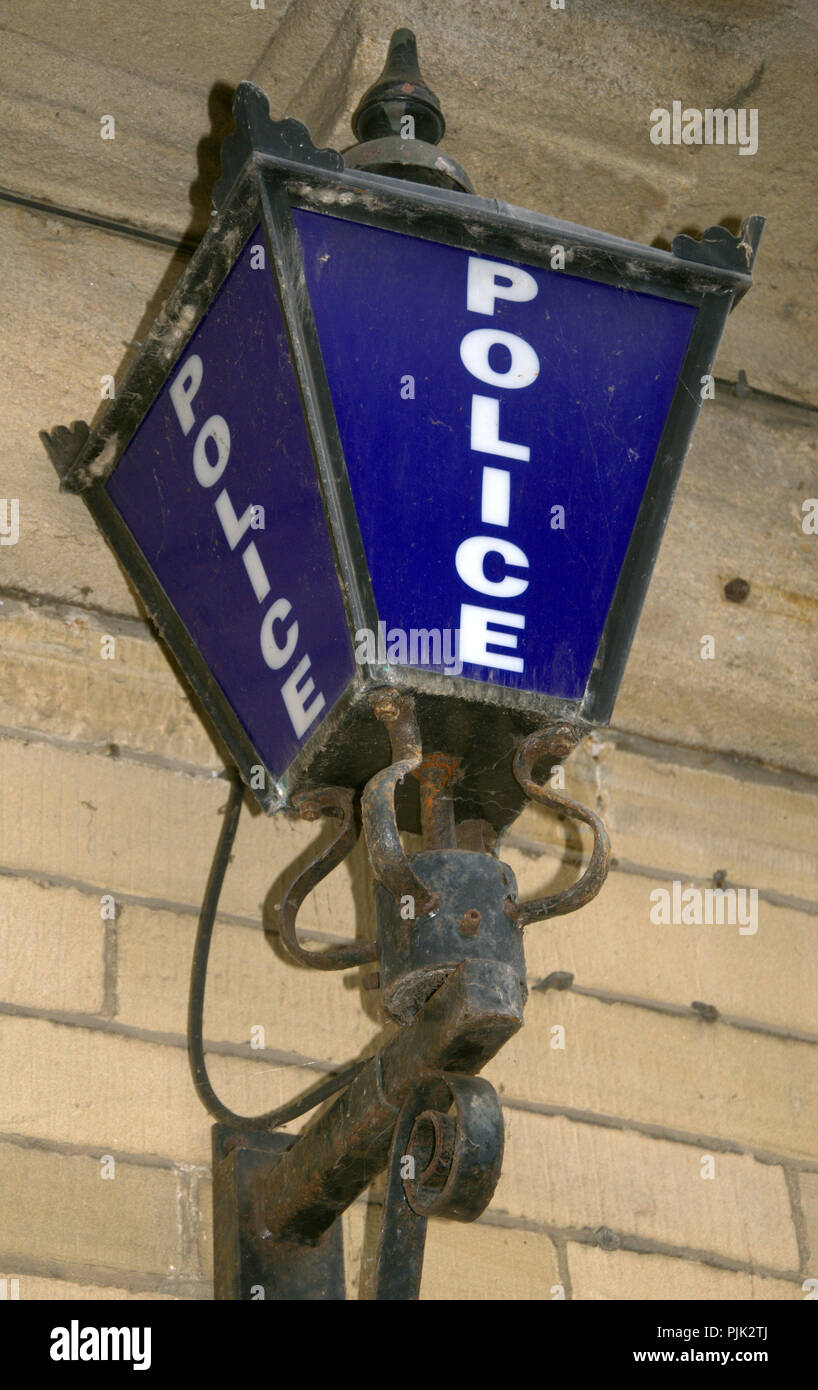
(226, 434)
(498, 440)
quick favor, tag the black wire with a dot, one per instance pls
(198, 977)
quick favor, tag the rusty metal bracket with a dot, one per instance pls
(390, 863)
(456, 982)
(322, 801)
(473, 923)
(278, 1200)
(459, 1029)
(435, 776)
(247, 1264)
(556, 741)
(440, 1164)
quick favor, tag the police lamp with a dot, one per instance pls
(390, 476)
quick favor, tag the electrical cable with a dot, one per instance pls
(271, 1119)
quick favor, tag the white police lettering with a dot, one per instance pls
(279, 648)
(470, 565)
(478, 628)
(482, 629)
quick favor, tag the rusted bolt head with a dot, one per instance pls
(561, 739)
(736, 590)
(309, 810)
(607, 1239)
(469, 922)
(387, 707)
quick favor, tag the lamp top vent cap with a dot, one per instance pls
(399, 91)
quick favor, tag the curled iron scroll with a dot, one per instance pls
(311, 804)
(456, 1156)
(390, 863)
(445, 1160)
(556, 741)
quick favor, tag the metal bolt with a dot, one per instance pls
(427, 906)
(309, 811)
(469, 922)
(736, 590)
(561, 739)
(386, 707)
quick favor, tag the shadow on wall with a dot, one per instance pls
(220, 113)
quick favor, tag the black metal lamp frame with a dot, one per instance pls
(270, 167)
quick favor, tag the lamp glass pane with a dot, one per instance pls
(499, 424)
(226, 434)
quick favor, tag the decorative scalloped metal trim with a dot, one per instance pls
(256, 133)
(721, 248)
(64, 445)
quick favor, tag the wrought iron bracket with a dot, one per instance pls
(249, 1265)
(452, 974)
(556, 741)
(327, 801)
(390, 863)
(440, 1164)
